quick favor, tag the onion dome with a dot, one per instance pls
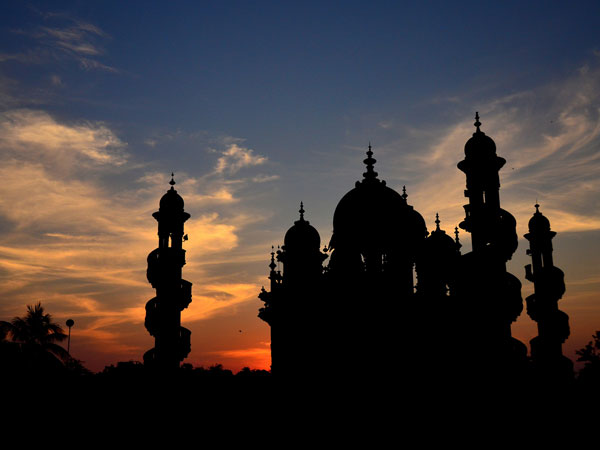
(302, 235)
(479, 145)
(539, 223)
(373, 216)
(171, 201)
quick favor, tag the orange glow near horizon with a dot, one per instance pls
(76, 205)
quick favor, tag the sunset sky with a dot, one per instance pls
(257, 106)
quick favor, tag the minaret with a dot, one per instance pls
(490, 296)
(481, 166)
(542, 305)
(173, 294)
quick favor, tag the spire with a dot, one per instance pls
(272, 266)
(404, 194)
(437, 222)
(172, 182)
(477, 122)
(369, 162)
(301, 211)
(458, 244)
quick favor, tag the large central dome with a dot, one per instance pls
(374, 217)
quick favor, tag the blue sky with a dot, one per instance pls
(257, 106)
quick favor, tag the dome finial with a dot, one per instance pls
(172, 182)
(370, 161)
(477, 122)
(537, 207)
(301, 211)
(437, 222)
(404, 194)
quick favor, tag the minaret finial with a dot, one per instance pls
(477, 122)
(301, 211)
(404, 194)
(456, 234)
(272, 266)
(172, 182)
(437, 222)
(370, 161)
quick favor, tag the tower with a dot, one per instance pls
(173, 294)
(490, 296)
(542, 306)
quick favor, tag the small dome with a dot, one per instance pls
(479, 145)
(171, 201)
(302, 235)
(439, 242)
(538, 223)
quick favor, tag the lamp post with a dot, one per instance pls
(70, 323)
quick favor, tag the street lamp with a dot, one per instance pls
(70, 323)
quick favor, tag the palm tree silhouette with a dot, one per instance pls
(37, 335)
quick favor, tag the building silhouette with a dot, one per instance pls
(173, 293)
(392, 293)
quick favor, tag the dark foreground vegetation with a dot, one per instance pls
(31, 356)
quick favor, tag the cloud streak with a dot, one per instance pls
(79, 244)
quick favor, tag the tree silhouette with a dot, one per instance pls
(590, 355)
(34, 338)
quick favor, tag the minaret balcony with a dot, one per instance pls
(152, 318)
(185, 342)
(185, 294)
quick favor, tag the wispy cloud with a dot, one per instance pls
(79, 244)
(549, 136)
(34, 136)
(69, 38)
(236, 157)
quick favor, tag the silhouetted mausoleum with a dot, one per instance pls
(394, 294)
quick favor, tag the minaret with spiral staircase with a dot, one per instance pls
(173, 294)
